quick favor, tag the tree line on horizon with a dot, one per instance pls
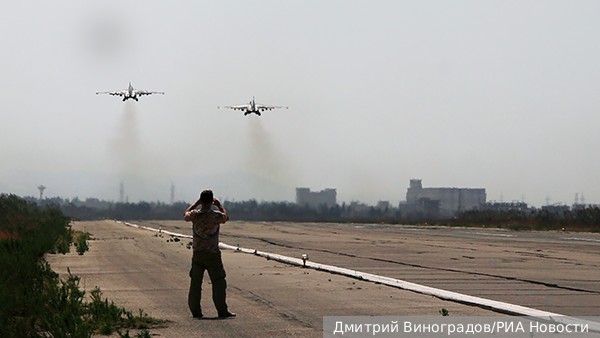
(585, 218)
(251, 210)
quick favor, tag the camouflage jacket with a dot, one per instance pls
(206, 224)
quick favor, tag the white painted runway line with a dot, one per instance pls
(397, 283)
(582, 239)
(490, 234)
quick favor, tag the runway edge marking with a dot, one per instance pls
(397, 283)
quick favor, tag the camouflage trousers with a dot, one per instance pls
(212, 262)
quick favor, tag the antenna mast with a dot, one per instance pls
(122, 192)
(172, 193)
(42, 188)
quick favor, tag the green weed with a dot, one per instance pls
(142, 334)
(34, 302)
(80, 241)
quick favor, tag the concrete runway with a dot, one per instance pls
(551, 271)
(136, 269)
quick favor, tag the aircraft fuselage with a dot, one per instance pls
(252, 108)
(130, 93)
(248, 112)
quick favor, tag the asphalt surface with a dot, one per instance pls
(138, 269)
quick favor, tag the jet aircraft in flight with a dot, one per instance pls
(130, 93)
(252, 107)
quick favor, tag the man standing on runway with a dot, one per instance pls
(207, 256)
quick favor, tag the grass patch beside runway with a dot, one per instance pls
(34, 302)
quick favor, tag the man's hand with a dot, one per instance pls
(217, 204)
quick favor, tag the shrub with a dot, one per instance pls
(34, 302)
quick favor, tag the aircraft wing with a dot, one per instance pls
(262, 107)
(118, 93)
(243, 107)
(145, 92)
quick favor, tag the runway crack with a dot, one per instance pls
(535, 282)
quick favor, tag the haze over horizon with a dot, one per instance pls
(469, 94)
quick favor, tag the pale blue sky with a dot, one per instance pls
(499, 95)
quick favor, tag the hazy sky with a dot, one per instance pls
(501, 95)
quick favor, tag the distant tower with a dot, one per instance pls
(576, 198)
(42, 188)
(416, 184)
(172, 193)
(122, 193)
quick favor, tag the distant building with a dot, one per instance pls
(315, 199)
(557, 209)
(428, 207)
(506, 206)
(383, 205)
(358, 209)
(441, 202)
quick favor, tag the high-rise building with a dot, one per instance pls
(315, 199)
(450, 200)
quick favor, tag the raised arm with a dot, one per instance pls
(218, 204)
(192, 207)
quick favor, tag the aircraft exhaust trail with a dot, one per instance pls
(127, 152)
(127, 146)
(262, 157)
